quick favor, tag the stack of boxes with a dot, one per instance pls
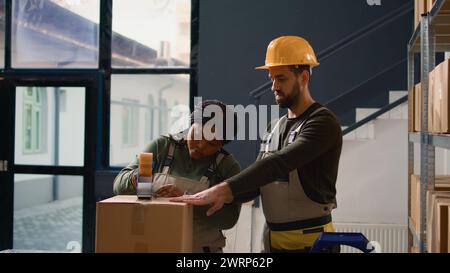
(438, 209)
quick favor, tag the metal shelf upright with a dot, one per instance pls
(430, 37)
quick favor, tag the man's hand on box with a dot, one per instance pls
(169, 191)
(216, 197)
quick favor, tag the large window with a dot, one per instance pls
(151, 33)
(2, 34)
(50, 126)
(55, 33)
(144, 107)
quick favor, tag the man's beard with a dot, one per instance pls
(292, 99)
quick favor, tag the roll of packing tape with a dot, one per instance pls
(145, 164)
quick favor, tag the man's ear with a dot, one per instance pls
(303, 78)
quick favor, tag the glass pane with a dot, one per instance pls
(55, 33)
(144, 107)
(48, 212)
(50, 126)
(2, 33)
(154, 33)
(27, 122)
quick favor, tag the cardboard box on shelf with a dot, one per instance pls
(433, 82)
(435, 100)
(442, 189)
(445, 9)
(415, 202)
(442, 183)
(411, 110)
(443, 97)
(420, 7)
(425, 6)
(435, 202)
(438, 201)
(448, 225)
(442, 226)
(417, 108)
(127, 224)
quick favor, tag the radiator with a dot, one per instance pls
(392, 238)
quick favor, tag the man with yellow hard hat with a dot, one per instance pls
(296, 170)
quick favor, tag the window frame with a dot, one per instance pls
(3, 22)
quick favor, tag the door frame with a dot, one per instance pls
(92, 82)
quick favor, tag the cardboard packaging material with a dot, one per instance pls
(126, 224)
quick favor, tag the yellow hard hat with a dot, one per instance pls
(289, 50)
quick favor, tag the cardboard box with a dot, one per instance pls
(448, 224)
(443, 97)
(414, 250)
(445, 9)
(415, 202)
(433, 80)
(436, 203)
(442, 187)
(411, 109)
(442, 183)
(126, 224)
(425, 6)
(420, 7)
(417, 107)
(435, 99)
(442, 225)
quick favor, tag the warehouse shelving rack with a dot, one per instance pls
(431, 36)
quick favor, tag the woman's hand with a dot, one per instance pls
(169, 191)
